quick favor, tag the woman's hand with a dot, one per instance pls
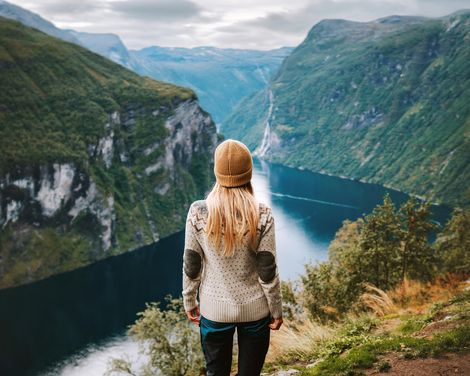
(193, 315)
(275, 324)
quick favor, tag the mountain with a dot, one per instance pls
(383, 102)
(108, 45)
(220, 77)
(31, 19)
(96, 160)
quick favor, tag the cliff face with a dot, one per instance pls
(383, 101)
(95, 160)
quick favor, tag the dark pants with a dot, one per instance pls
(217, 342)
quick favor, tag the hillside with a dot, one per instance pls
(220, 77)
(383, 101)
(95, 160)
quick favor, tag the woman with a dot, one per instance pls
(230, 259)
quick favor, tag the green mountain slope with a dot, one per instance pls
(95, 160)
(383, 101)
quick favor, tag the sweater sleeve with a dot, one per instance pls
(266, 264)
(192, 263)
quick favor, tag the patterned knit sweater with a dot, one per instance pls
(241, 288)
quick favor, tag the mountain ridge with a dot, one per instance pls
(377, 102)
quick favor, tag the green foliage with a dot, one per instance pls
(291, 308)
(363, 355)
(57, 101)
(419, 261)
(382, 102)
(381, 248)
(414, 323)
(167, 340)
(380, 244)
(453, 243)
(38, 253)
(56, 96)
(357, 342)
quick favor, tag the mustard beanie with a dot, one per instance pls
(233, 164)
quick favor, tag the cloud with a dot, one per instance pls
(256, 24)
(162, 10)
(68, 7)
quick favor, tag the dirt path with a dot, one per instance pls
(449, 364)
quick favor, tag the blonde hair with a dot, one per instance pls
(232, 213)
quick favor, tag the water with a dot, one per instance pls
(71, 324)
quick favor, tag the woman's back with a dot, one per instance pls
(230, 260)
(239, 287)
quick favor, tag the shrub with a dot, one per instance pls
(167, 339)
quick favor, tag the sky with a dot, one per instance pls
(252, 24)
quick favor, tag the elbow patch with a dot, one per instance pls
(192, 263)
(266, 265)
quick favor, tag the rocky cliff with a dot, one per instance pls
(95, 160)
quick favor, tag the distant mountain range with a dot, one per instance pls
(384, 101)
(220, 77)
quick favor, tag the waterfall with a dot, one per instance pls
(265, 146)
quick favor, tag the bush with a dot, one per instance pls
(382, 250)
(167, 339)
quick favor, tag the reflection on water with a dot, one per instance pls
(294, 246)
(72, 323)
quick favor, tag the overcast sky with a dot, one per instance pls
(256, 24)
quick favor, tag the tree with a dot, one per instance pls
(418, 259)
(453, 244)
(330, 287)
(380, 243)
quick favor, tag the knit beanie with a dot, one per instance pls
(232, 163)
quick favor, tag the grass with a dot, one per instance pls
(365, 355)
(358, 342)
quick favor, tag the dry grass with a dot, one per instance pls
(299, 338)
(378, 301)
(296, 339)
(410, 296)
